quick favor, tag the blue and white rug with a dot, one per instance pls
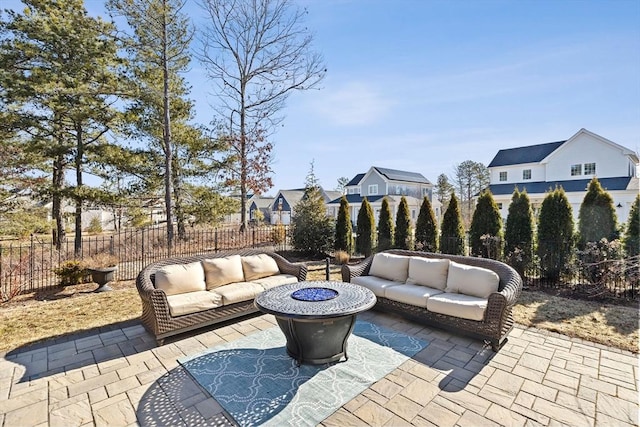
(257, 383)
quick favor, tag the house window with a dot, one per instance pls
(576, 170)
(589, 168)
(526, 174)
(503, 176)
(351, 191)
(413, 214)
(500, 206)
(373, 190)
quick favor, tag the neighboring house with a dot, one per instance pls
(379, 182)
(569, 164)
(262, 204)
(283, 205)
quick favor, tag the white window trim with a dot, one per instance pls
(506, 176)
(372, 190)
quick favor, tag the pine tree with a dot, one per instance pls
(452, 230)
(485, 233)
(597, 218)
(519, 232)
(313, 230)
(385, 227)
(632, 236)
(344, 231)
(426, 231)
(555, 234)
(402, 235)
(365, 229)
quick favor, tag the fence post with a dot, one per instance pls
(253, 238)
(143, 251)
(215, 241)
(326, 268)
(31, 262)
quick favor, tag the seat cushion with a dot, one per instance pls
(277, 280)
(238, 292)
(192, 302)
(431, 272)
(458, 305)
(222, 271)
(180, 278)
(411, 294)
(390, 267)
(374, 284)
(258, 266)
(469, 280)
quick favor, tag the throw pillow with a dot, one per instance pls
(222, 271)
(390, 267)
(470, 280)
(429, 272)
(180, 278)
(259, 266)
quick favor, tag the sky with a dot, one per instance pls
(423, 85)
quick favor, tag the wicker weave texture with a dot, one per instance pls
(156, 317)
(498, 318)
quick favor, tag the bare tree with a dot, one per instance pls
(257, 52)
(470, 178)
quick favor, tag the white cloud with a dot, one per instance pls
(352, 104)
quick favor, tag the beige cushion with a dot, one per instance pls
(411, 294)
(222, 271)
(258, 266)
(192, 302)
(237, 292)
(458, 305)
(277, 280)
(180, 278)
(374, 284)
(390, 267)
(428, 272)
(469, 280)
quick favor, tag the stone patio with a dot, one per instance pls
(117, 376)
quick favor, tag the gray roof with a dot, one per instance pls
(575, 185)
(530, 154)
(357, 199)
(332, 195)
(397, 175)
(356, 179)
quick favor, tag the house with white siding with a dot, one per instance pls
(569, 164)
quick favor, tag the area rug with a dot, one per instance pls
(257, 383)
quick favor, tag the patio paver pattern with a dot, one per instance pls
(119, 377)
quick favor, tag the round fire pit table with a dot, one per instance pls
(316, 317)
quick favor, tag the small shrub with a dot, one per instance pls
(95, 226)
(601, 262)
(341, 257)
(72, 272)
(101, 260)
(278, 234)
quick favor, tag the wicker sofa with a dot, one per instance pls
(185, 293)
(467, 295)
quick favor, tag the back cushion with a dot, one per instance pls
(258, 266)
(469, 280)
(180, 278)
(390, 267)
(428, 272)
(222, 271)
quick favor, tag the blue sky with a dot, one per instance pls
(424, 85)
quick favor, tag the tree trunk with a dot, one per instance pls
(243, 161)
(56, 209)
(166, 133)
(77, 245)
(179, 207)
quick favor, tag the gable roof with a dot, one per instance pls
(356, 199)
(398, 175)
(332, 195)
(569, 186)
(356, 179)
(529, 154)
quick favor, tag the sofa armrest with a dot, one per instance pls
(287, 267)
(361, 269)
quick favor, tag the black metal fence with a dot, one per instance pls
(29, 266)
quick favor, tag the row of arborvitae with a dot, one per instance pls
(554, 243)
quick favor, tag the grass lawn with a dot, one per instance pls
(27, 319)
